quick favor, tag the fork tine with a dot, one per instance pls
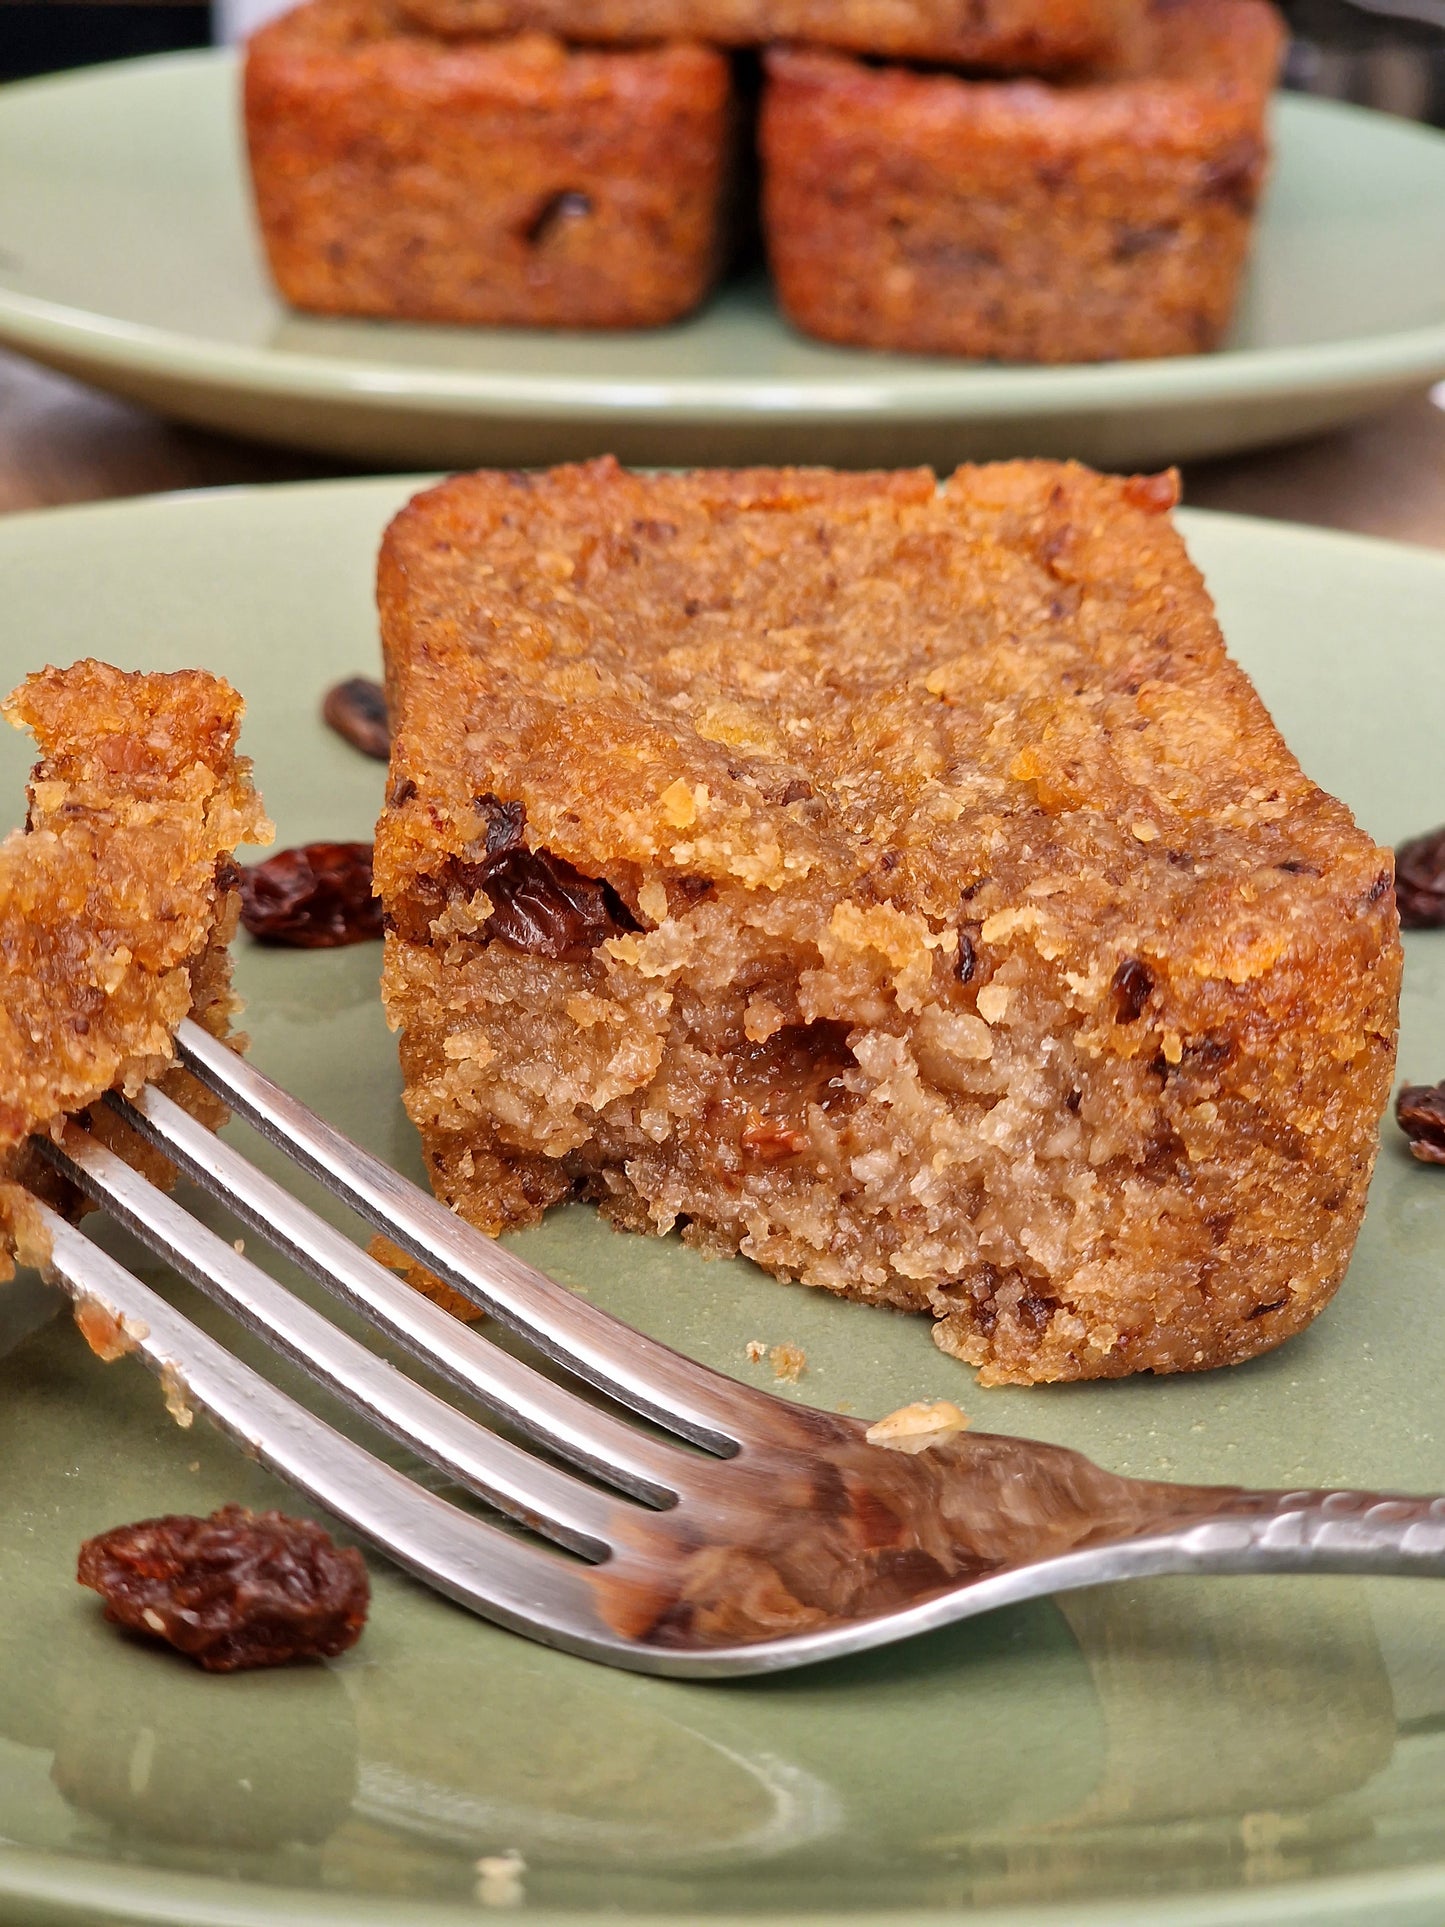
(572, 1426)
(686, 1398)
(480, 1565)
(539, 1496)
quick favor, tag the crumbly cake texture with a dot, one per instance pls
(1024, 36)
(119, 896)
(1108, 219)
(898, 885)
(509, 182)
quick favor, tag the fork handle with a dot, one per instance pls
(1343, 1532)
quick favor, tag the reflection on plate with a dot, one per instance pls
(127, 256)
(1175, 1753)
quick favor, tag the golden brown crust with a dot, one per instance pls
(1023, 36)
(118, 898)
(1007, 219)
(977, 945)
(511, 182)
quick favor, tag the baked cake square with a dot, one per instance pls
(897, 884)
(511, 182)
(1026, 36)
(939, 214)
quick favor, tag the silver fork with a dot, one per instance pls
(732, 1533)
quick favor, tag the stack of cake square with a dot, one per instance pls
(1026, 180)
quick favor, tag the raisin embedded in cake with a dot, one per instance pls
(118, 898)
(944, 214)
(898, 885)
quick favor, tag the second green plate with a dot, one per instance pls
(128, 257)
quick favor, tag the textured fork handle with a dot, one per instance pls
(1360, 1532)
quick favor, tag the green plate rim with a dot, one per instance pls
(69, 1890)
(973, 391)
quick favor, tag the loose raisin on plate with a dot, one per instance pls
(315, 897)
(356, 709)
(236, 1590)
(1420, 881)
(1420, 1114)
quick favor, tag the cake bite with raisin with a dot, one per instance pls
(896, 884)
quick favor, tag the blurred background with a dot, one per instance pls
(1388, 54)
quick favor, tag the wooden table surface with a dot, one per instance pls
(60, 442)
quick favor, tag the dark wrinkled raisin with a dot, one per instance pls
(237, 1590)
(1054, 543)
(1296, 867)
(1234, 175)
(505, 822)
(540, 903)
(799, 1065)
(555, 213)
(356, 709)
(545, 907)
(1208, 1053)
(967, 958)
(1260, 1310)
(1378, 888)
(1420, 1113)
(1155, 494)
(1420, 881)
(1131, 986)
(796, 791)
(1130, 242)
(316, 897)
(1035, 1310)
(401, 793)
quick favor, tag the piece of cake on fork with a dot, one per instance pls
(897, 884)
(118, 900)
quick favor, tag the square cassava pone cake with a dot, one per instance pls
(1025, 36)
(510, 182)
(897, 884)
(119, 897)
(937, 214)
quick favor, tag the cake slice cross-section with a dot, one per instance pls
(896, 884)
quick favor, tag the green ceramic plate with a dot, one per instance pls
(1172, 1753)
(127, 256)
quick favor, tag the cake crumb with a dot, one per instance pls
(426, 1282)
(177, 1398)
(913, 1428)
(499, 1879)
(789, 1362)
(109, 1334)
(756, 1350)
